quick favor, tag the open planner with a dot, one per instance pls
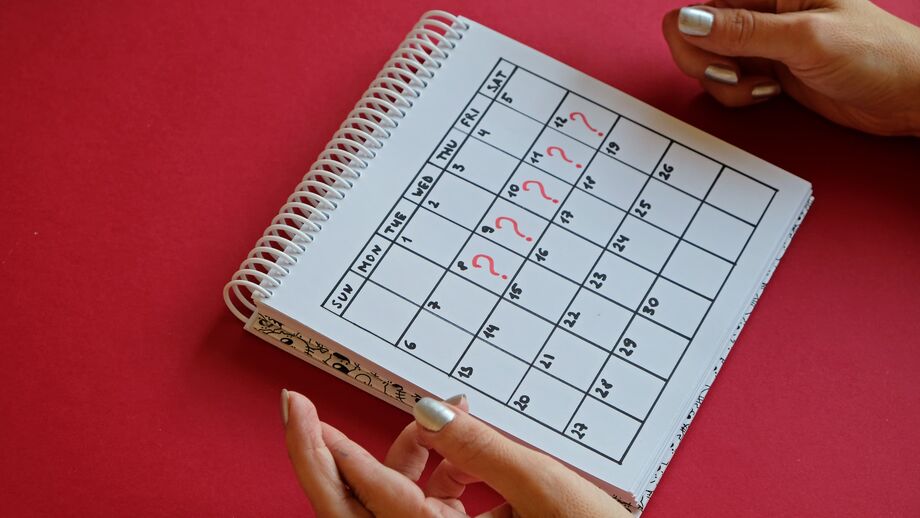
(492, 222)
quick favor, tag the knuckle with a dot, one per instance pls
(741, 26)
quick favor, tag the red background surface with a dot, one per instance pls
(144, 147)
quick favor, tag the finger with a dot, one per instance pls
(741, 32)
(694, 61)
(406, 455)
(313, 462)
(529, 480)
(448, 482)
(749, 90)
(382, 490)
(502, 511)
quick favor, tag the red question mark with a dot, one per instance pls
(491, 265)
(514, 225)
(549, 151)
(542, 190)
(579, 115)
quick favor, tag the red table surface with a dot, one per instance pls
(145, 145)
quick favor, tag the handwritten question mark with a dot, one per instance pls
(579, 115)
(491, 265)
(549, 151)
(542, 189)
(514, 225)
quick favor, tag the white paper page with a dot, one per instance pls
(567, 256)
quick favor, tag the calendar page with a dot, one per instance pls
(569, 257)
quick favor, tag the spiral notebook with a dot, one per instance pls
(490, 221)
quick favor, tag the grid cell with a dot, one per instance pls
(487, 264)
(642, 243)
(380, 312)
(370, 256)
(507, 130)
(542, 291)
(396, 220)
(651, 347)
(627, 388)
(461, 302)
(546, 399)
(559, 155)
(458, 200)
(447, 148)
(665, 207)
(596, 319)
(674, 307)
(570, 359)
(424, 181)
(490, 370)
(564, 252)
(602, 428)
(515, 330)
(434, 237)
(472, 113)
(511, 226)
(483, 165)
(536, 191)
(407, 274)
(620, 280)
(497, 78)
(435, 341)
(583, 120)
(687, 170)
(612, 181)
(697, 269)
(589, 217)
(530, 94)
(740, 195)
(719, 233)
(635, 145)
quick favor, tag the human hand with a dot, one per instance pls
(847, 60)
(342, 479)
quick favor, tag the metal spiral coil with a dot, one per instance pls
(343, 160)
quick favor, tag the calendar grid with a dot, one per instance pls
(577, 291)
(420, 263)
(633, 316)
(514, 276)
(425, 196)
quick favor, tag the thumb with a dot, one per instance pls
(741, 32)
(533, 483)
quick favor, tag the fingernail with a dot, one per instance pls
(284, 406)
(765, 90)
(721, 74)
(455, 400)
(432, 415)
(694, 21)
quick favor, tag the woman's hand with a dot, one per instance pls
(342, 479)
(848, 60)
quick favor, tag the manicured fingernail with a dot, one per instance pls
(432, 415)
(456, 400)
(765, 90)
(284, 405)
(721, 74)
(694, 21)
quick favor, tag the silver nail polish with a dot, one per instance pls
(455, 400)
(284, 405)
(432, 414)
(694, 21)
(765, 90)
(721, 74)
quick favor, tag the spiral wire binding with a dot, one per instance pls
(344, 159)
